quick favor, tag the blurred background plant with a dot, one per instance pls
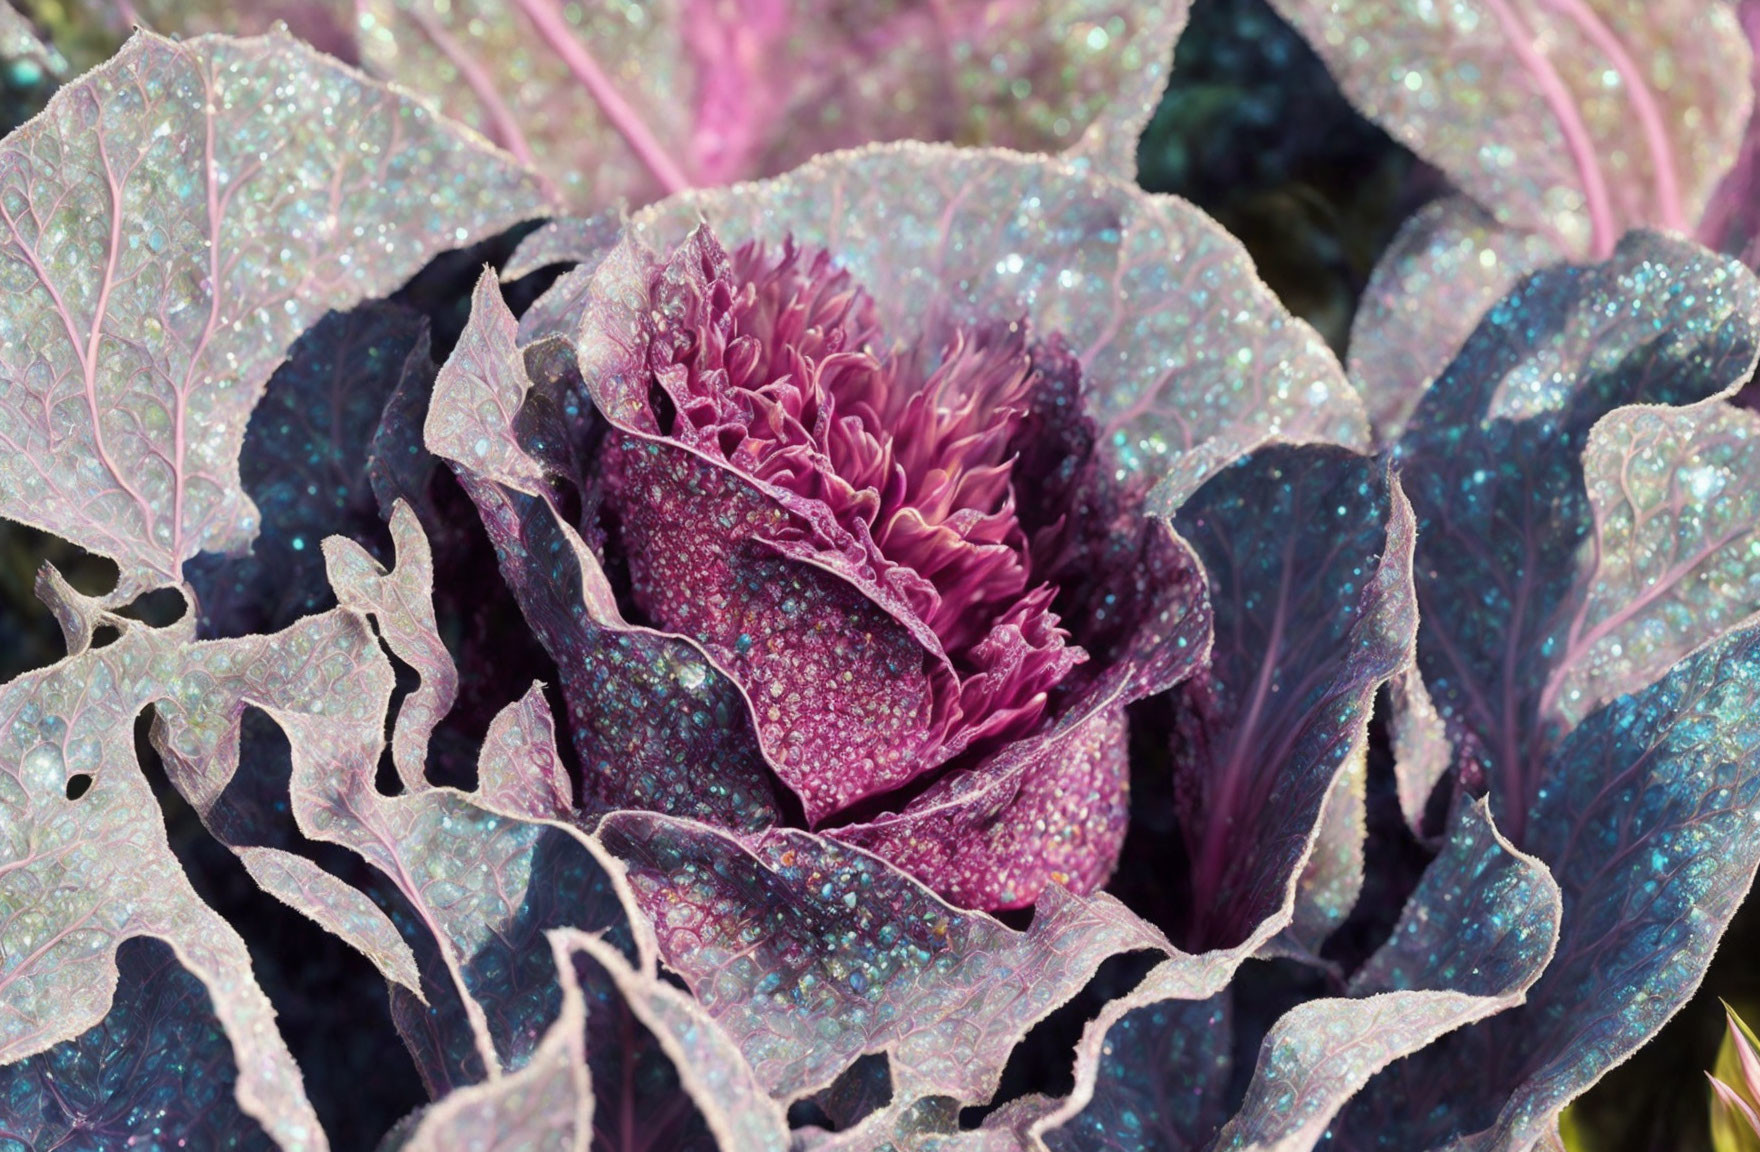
(1735, 1089)
(1253, 130)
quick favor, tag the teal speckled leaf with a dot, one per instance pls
(810, 954)
(167, 227)
(304, 464)
(1651, 824)
(1491, 461)
(158, 1063)
(1308, 551)
(1447, 266)
(631, 101)
(472, 889)
(1473, 938)
(1150, 1074)
(1578, 119)
(1189, 358)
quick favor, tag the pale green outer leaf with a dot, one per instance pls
(547, 1106)
(628, 101)
(1675, 553)
(83, 875)
(1189, 359)
(167, 227)
(1578, 119)
(1448, 264)
(338, 907)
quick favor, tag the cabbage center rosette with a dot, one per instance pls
(905, 550)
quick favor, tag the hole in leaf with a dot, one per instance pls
(104, 635)
(160, 608)
(864, 1087)
(330, 1001)
(386, 779)
(78, 785)
(33, 638)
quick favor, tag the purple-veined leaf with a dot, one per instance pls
(1648, 823)
(614, 103)
(811, 954)
(933, 232)
(648, 712)
(1490, 460)
(1675, 549)
(1578, 119)
(304, 465)
(158, 1062)
(1308, 551)
(1449, 263)
(23, 50)
(171, 222)
(91, 869)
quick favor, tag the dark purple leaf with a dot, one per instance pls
(1491, 463)
(304, 465)
(648, 712)
(1148, 1076)
(1308, 551)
